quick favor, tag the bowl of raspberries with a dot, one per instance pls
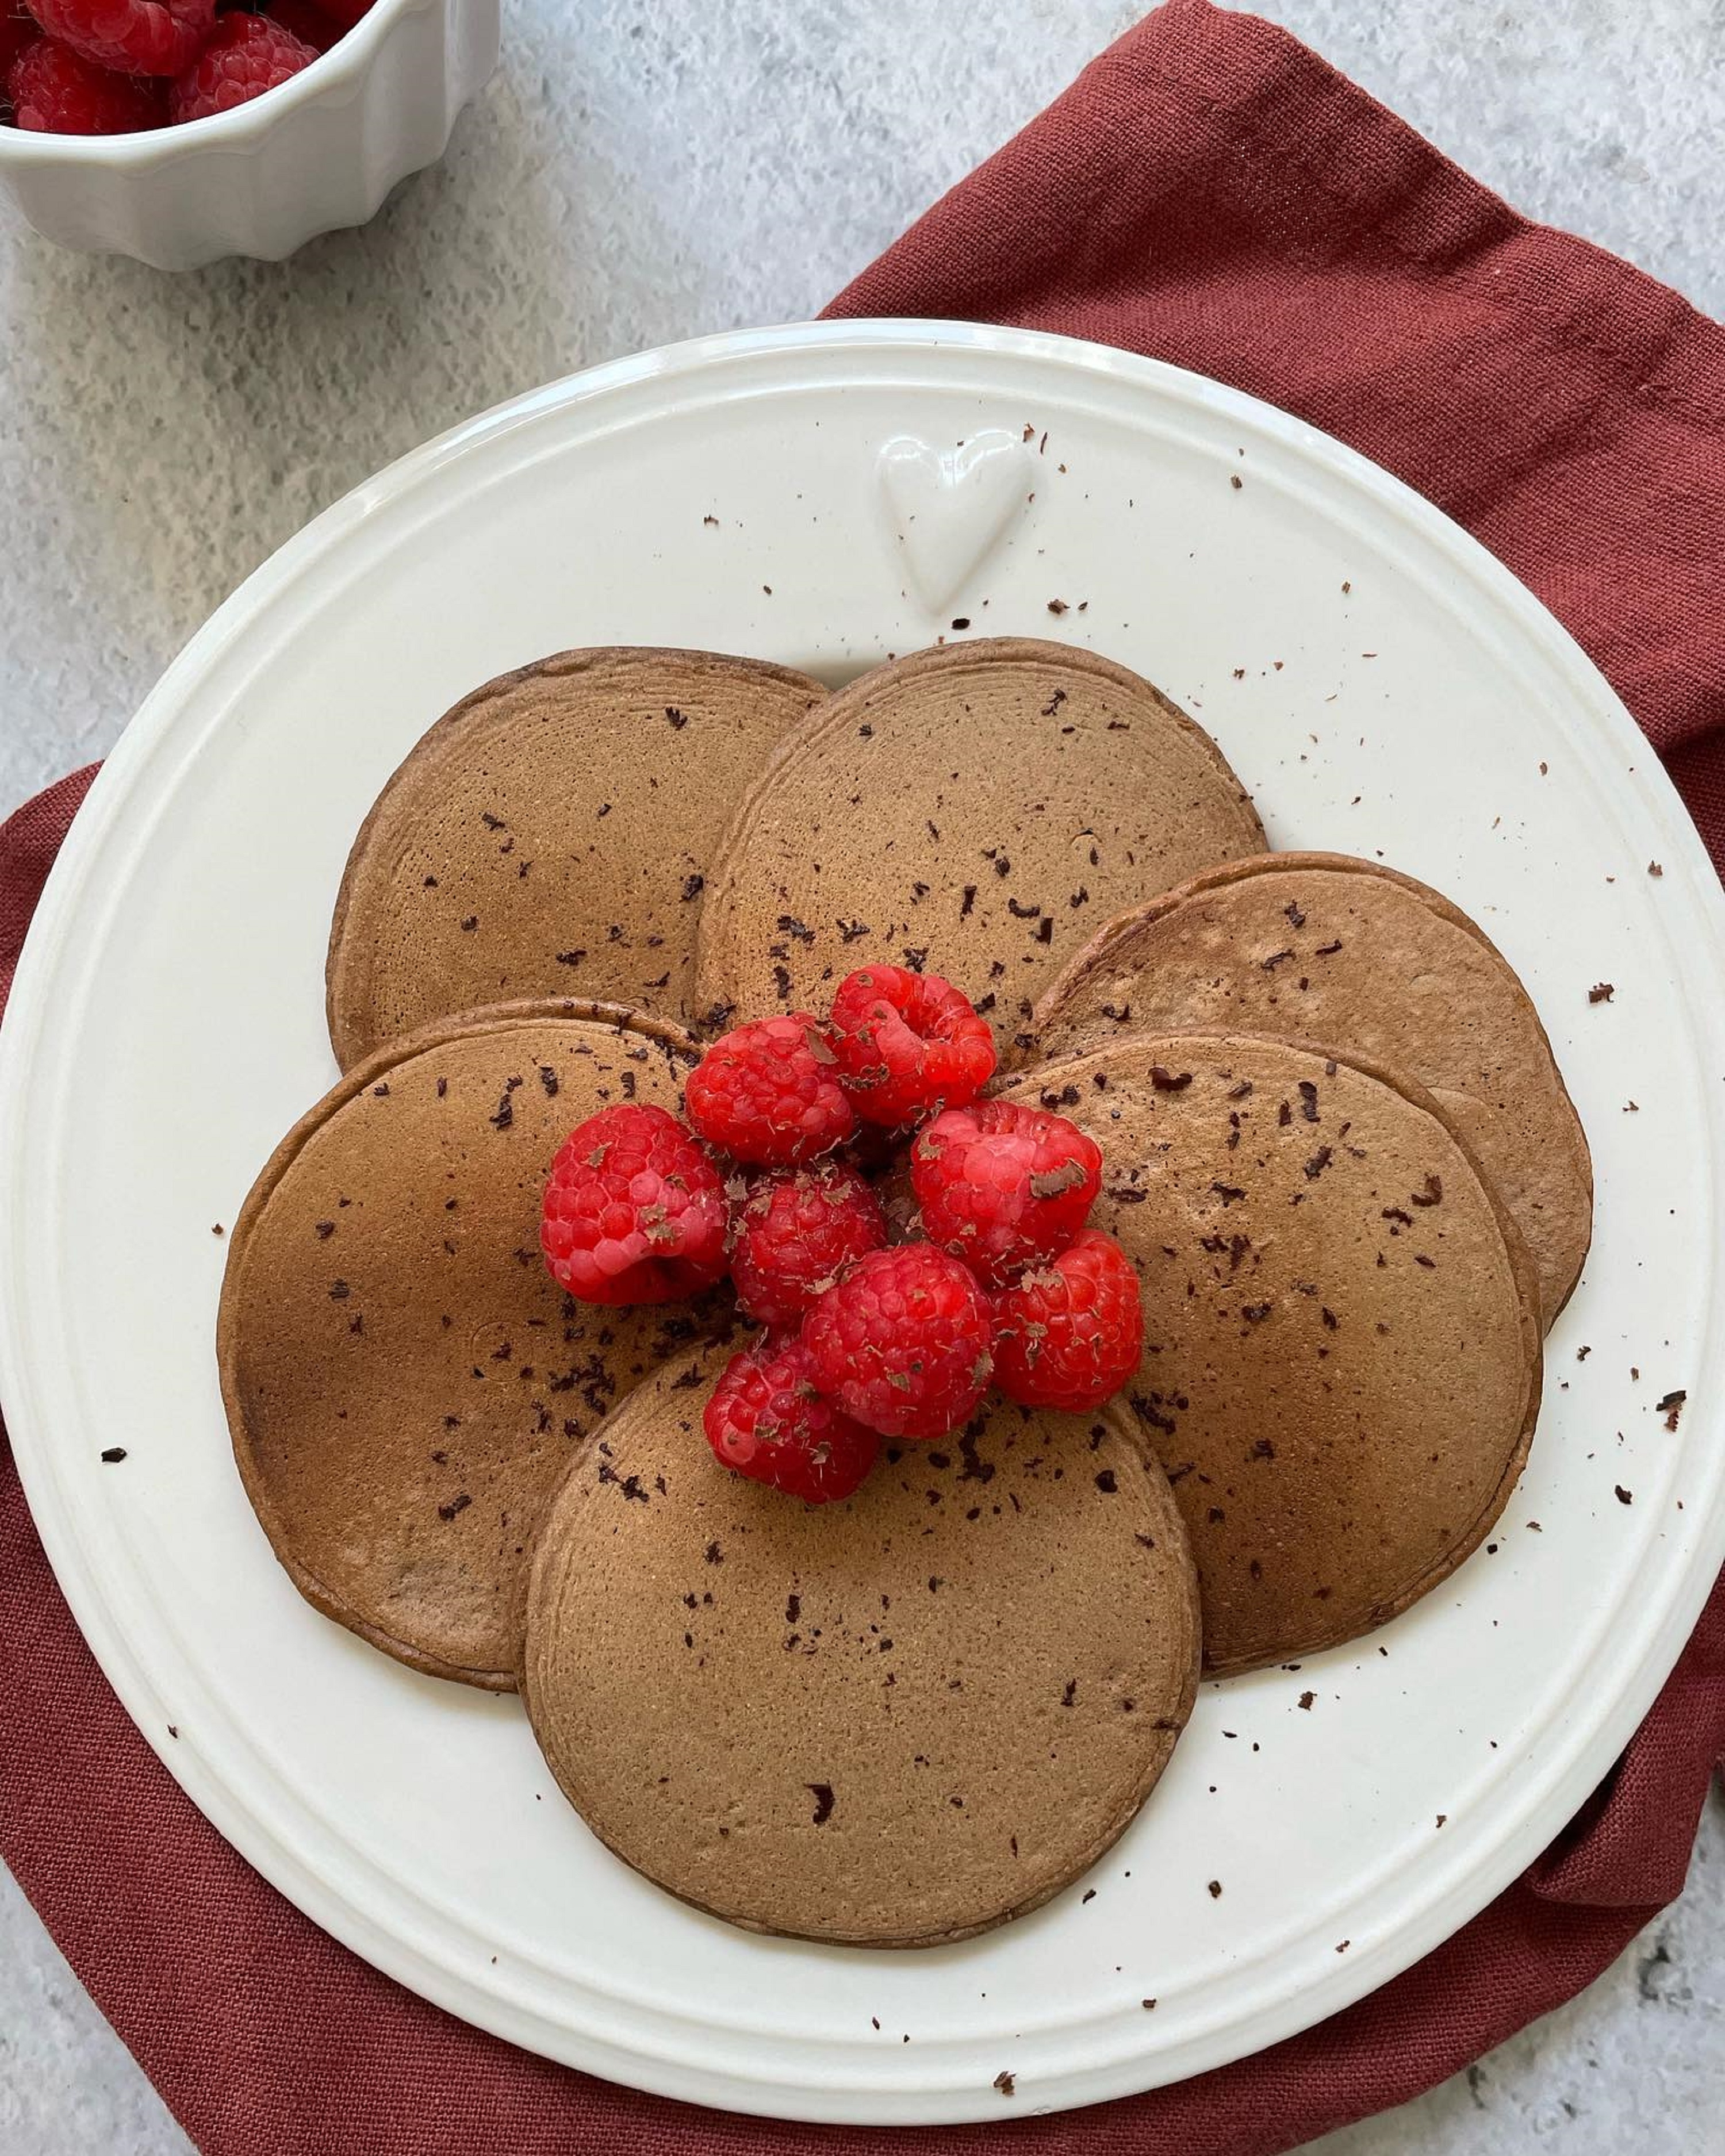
(179, 131)
(903, 1239)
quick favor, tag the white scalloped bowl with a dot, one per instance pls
(319, 153)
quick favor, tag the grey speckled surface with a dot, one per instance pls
(642, 172)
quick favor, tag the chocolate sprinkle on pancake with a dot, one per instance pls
(893, 1720)
(1341, 1341)
(404, 1382)
(1320, 946)
(974, 810)
(551, 835)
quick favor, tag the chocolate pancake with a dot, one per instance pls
(1320, 947)
(1341, 1352)
(552, 836)
(972, 811)
(405, 1381)
(889, 1721)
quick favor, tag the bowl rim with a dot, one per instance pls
(342, 65)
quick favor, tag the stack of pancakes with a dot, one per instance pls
(1337, 1147)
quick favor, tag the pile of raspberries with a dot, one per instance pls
(120, 67)
(881, 1320)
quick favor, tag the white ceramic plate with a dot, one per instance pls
(1379, 681)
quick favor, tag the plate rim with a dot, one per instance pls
(1589, 1755)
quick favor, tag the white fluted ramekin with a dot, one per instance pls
(320, 152)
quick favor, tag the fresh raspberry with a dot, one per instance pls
(908, 1043)
(133, 37)
(794, 1231)
(1070, 1333)
(343, 13)
(902, 1342)
(247, 55)
(765, 1420)
(769, 1094)
(634, 1211)
(56, 92)
(1003, 1186)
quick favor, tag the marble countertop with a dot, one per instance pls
(640, 173)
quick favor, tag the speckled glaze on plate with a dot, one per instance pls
(1377, 680)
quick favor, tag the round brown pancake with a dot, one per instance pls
(405, 1381)
(1320, 946)
(969, 811)
(889, 1722)
(1342, 1340)
(549, 836)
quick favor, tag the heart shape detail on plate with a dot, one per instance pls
(948, 507)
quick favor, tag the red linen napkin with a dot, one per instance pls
(1211, 192)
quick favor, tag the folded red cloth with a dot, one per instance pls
(1211, 192)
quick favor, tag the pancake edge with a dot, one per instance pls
(341, 994)
(836, 711)
(495, 1017)
(1093, 956)
(552, 1532)
(1526, 1285)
